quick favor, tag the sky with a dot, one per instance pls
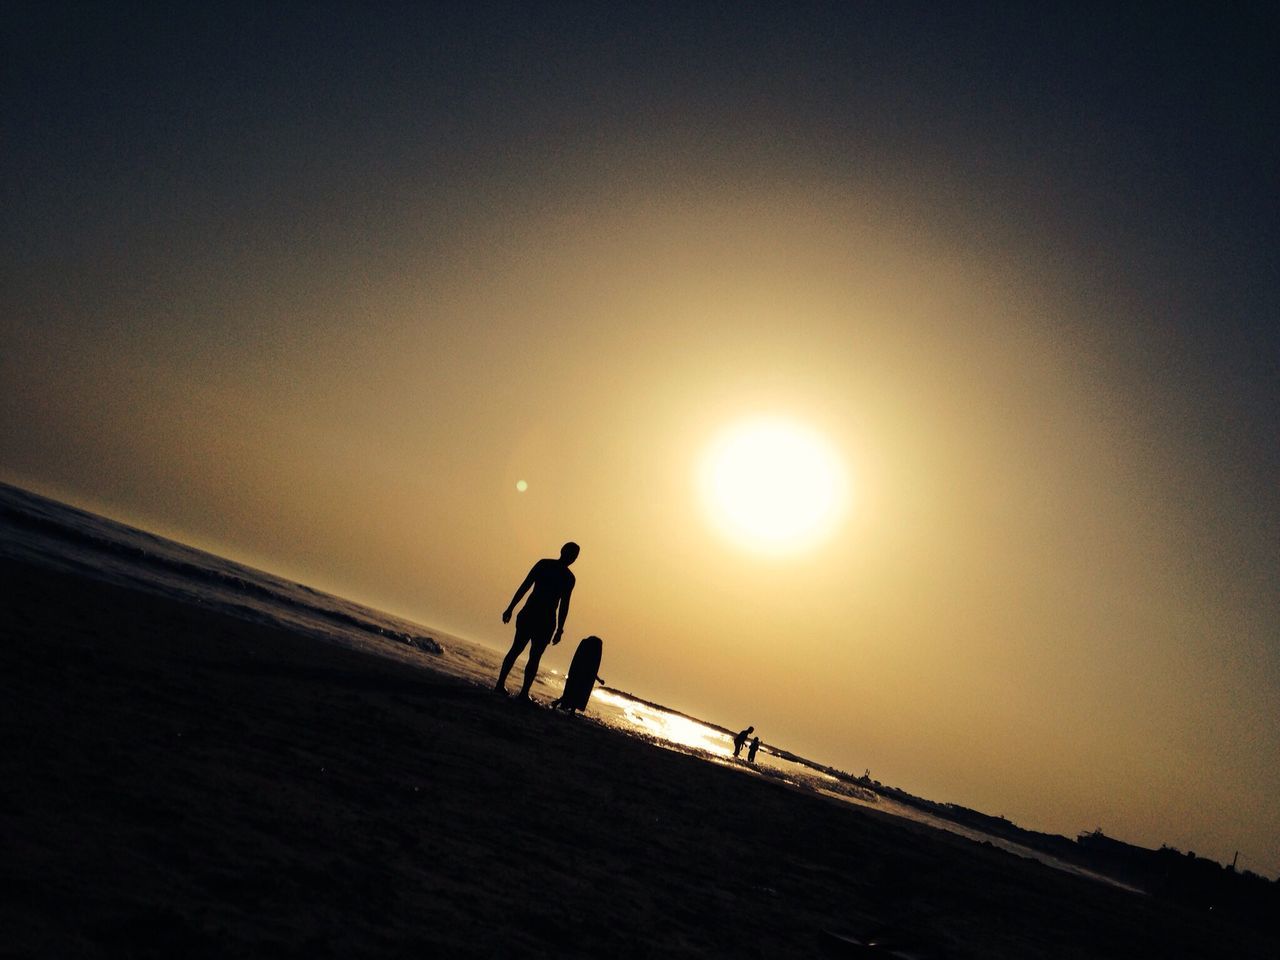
(315, 286)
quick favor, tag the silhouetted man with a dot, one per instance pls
(740, 739)
(541, 619)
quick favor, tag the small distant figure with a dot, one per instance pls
(740, 739)
(751, 754)
(541, 619)
(582, 678)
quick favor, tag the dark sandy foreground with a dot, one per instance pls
(177, 783)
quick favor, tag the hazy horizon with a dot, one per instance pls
(315, 292)
(557, 660)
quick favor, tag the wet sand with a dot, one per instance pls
(181, 783)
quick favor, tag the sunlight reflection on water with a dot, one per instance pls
(665, 726)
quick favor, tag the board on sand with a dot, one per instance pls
(582, 675)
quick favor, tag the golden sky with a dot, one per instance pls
(1053, 595)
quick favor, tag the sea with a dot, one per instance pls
(45, 532)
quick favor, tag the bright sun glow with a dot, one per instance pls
(774, 485)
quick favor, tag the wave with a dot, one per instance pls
(158, 563)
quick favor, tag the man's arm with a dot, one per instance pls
(564, 613)
(524, 588)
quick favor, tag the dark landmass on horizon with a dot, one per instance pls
(1166, 872)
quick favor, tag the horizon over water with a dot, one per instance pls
(48, 533)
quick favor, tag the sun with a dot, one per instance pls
(773, 485)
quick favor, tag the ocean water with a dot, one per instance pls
(52, 534)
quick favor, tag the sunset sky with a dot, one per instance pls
(315, 287)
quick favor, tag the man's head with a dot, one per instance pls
(569, 553)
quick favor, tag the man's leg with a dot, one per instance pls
(509, 661)
(531, 666)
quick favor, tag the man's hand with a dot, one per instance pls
(506, 615)
(556, 638)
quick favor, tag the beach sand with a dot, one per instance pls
(181, 783)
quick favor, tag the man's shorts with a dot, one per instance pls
(537, 627)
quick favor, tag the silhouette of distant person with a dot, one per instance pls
(751, 754)
(740, 739)
(541, 619)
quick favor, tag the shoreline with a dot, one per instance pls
(182, 782)
(137, 559)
